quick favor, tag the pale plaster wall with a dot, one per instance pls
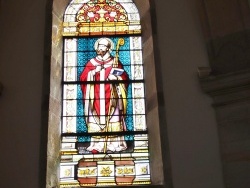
(191, 122)
(189, 116)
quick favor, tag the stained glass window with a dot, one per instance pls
(104, 132)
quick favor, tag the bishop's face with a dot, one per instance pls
(102, 48)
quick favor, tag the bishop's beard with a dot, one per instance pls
(101, 52)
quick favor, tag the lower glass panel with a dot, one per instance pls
(81, 165)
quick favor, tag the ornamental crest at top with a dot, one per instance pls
(101, 17)
(102, 11)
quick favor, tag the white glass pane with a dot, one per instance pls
(70, 92)
(129, 7)
(69, 125)
(69, 30)
(138, 90)
(142, 168)
(140, 155)
(127, 1)
(141, 143)
(68, 145)
(67, 171)
(137, 73)
(140, 123)
(135, 43)
(70, 45)
(69, 108)
(69, 18)
(70, 59)
(69, 139)
(71, 9)
(133, 17)
(80, 1)
(74, 7)
(70, 74)
(136, 57)
(134, 27)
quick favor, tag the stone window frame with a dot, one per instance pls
(155, 107)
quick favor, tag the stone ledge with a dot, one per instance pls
(227, 88)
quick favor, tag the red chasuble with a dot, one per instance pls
(101, 97)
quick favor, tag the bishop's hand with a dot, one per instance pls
(112, 77)
(98, 68)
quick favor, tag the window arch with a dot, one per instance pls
(81, 32)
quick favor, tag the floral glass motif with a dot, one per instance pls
(104, 133)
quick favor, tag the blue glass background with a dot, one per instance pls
(86, 51)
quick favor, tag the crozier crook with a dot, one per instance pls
(120, 42)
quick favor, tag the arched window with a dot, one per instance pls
(104, 134)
